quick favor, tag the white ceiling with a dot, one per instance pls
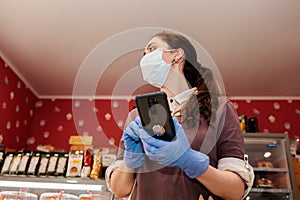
(255, 44)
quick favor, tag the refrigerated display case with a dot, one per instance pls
(269, 155)
(40, 185)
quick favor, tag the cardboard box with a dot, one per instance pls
(80, 140)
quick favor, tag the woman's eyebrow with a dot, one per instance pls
(149, 45)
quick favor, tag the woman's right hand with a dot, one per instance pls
(134, 153)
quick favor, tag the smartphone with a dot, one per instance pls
(155, 115)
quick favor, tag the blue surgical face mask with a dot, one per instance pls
(154, 69)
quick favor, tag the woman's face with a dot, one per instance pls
(157, 43)
(175, 82)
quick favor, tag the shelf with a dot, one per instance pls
(273, 148)
(60, 183)
(260, 190)
(263, 169)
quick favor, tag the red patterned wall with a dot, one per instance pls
(56, 120)
(27, 121)
(274, 116)
(17, 109)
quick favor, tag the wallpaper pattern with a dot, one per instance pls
(17, 109)
(27, 121)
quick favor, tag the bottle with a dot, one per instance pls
(243, 120)
(253, 125)
(87, 164)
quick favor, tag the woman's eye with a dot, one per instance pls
(151, 49)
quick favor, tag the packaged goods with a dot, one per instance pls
(265, 183)
(34, 163)
(104, 195)
(17, 195)
(24, 163)
(265, 164)
(7, 162)
(58, 196)
(52, 164)
(43, 164)
(81, 140)
(15, 163)
(97, 165)
(2, 157)
(75, 164)
(108, 157)
(87, 164)
(62, 164)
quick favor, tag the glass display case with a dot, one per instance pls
(41, 185)
(269, 155)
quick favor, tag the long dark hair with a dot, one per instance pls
(196, 75)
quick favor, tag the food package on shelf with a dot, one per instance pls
(81, 140)
(75, 163)
(57, 196)
(15, 163)
(87, 164)
(7, 162)
(42, 169)
(33, 164)
(2, 158)
(104, 195)
(62, 164)
(24, 163)
(48, 148)
(52, 164)
(97, 164)
(108, 157)
(17, 195)
(264, 183)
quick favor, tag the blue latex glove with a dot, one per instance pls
(134, 154)
(177, 153)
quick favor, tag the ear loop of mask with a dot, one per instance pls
(170, 50)
(175, 61)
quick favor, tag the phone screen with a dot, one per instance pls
(155, 115)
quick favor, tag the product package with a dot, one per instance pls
(17, 195)
(62, 164)
(87, 164)
(7, 162)
(75, 163)
(24, 163)
(108, 157)
(52, 164)
(15, 163)
(45, 157)
(2, 158)
(104, 195)
(33, 164)
(57, 196)
(97, 164)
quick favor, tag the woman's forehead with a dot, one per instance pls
(157, 42)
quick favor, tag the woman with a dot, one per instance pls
(206, 160)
